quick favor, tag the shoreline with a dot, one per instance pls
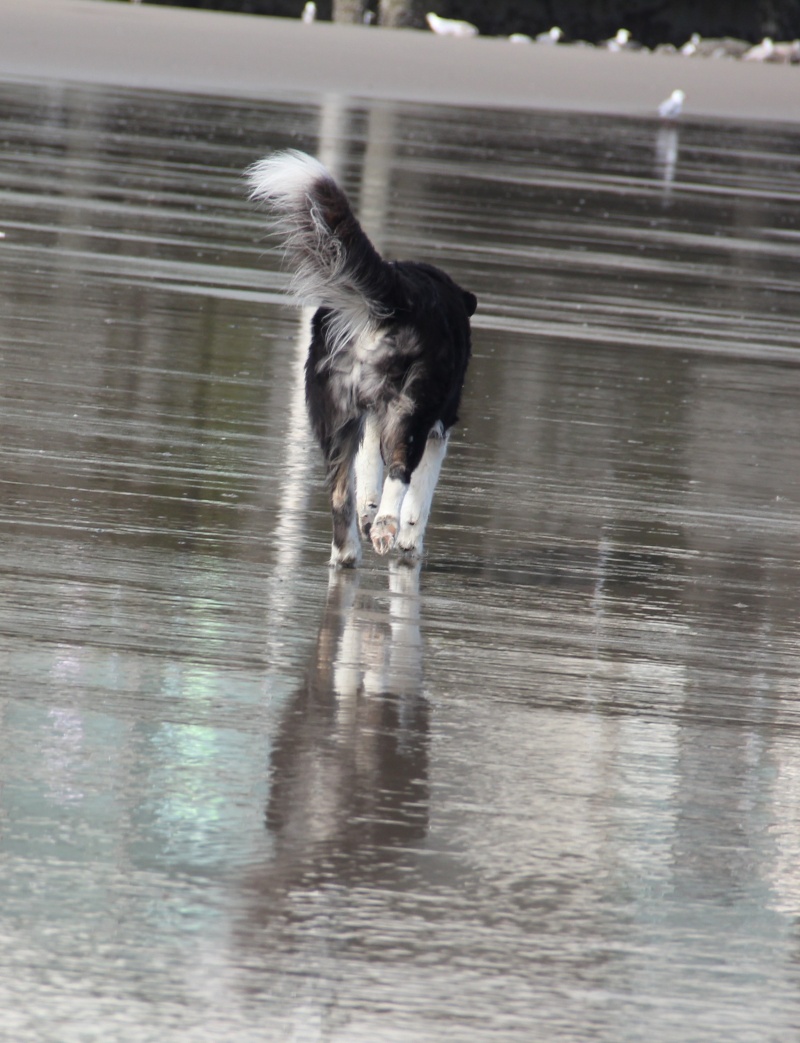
(217, 53)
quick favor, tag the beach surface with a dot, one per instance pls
(214, 53)
(543, 785)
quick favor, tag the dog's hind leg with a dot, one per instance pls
(416, 506)
(369, 475)
(346, 545)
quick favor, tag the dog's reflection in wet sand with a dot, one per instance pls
(348, 772)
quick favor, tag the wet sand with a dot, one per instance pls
(544, 787)
(126, 44)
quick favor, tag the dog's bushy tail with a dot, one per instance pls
(334, 264)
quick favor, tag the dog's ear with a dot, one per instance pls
(470, 302)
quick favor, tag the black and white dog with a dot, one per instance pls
(390, 344)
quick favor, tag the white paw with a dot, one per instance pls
(410, 553)
(346, 557)
(384, 533)
(409, 542)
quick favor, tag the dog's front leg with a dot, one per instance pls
(385, 527)
(417, 504)
(403, 444)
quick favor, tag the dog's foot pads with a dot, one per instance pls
(384, 533)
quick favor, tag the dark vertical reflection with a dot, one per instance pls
(349, 763)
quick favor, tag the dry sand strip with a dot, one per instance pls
(136, 45)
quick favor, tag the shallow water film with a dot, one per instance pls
(543, 788)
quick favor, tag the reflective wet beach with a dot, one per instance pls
(544, 788)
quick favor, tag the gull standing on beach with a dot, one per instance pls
(760, 52)
(787, 53)
(671, 107)
(622, 41)
(450, 26)
(554, 35)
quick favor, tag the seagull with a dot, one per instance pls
(761, 52)
(520, 38)
(554, 35)
(450, 26)
(670, 108)
(309, 14)
(622, 42)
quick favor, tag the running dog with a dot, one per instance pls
(390, 345)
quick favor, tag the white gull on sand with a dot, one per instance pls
(554, 35)
(622, 41)
(671, 107)
(450, 26)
